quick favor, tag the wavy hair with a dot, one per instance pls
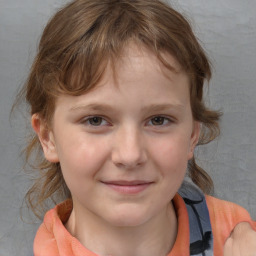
(75, 47)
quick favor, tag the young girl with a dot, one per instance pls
(116, 98)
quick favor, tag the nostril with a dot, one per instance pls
(128, 148)
(129, 160)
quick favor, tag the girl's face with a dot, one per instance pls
(123, 147)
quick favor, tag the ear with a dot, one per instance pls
(194, 139)
(46, 138)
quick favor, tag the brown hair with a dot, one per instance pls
(74, 50)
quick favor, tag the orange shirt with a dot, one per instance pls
(53, 239)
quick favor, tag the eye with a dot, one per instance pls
(159, 121)
(95, 121)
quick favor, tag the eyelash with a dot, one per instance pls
(88, 120)
(165, 121)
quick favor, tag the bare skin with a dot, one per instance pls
(242, 241)
(123, 149)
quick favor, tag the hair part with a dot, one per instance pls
(76, 46)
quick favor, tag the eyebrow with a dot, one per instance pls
(106, 107)
(162, 107)
(93, 106)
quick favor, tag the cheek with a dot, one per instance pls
(170, 161)
(171, 155)
(82, 156)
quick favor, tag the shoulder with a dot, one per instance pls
(44, 240)
(225, 212)
(53, 230)
(224, 217)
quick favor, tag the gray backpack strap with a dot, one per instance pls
(201, 239)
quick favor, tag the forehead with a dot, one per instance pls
(139, 60)
(137, 79)
(139, 53)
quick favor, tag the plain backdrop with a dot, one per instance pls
(226, 29)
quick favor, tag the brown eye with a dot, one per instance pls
(158, 120)
(95, 121)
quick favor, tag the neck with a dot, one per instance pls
(155, 237)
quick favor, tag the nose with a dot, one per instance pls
(129, 149)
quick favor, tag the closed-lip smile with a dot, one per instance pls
(128, 187)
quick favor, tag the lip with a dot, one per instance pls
(128, 187)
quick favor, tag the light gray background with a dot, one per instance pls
(227, 29)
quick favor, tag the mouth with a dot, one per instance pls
(128, 187)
